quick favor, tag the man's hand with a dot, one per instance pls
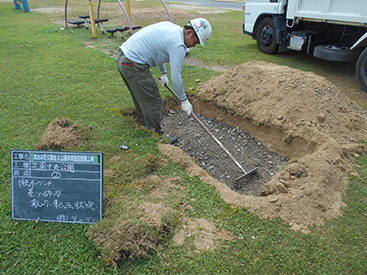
(186, 107)
(164, 80)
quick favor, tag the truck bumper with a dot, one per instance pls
(244, 31)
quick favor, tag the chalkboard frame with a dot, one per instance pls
(57, 186)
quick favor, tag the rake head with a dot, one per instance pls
(247, 174)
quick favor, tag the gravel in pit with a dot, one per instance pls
(198, 144)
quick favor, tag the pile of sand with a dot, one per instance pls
(299, 115)
(62, 134)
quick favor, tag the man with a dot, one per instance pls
(153, 46)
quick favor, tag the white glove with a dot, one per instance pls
(186, 107)
(164, 80)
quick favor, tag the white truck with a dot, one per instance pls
(333, 30)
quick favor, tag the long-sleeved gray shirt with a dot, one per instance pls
(156, 45)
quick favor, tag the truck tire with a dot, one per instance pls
(334, 53)
(361, 70)
(265, 36)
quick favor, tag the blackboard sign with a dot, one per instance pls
(57, 186)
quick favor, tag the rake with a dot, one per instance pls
(246, 173)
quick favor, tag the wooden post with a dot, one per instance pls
(128, 11)
(92, 21)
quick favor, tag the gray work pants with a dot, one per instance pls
(144, 91)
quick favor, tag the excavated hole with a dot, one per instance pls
(198, 144)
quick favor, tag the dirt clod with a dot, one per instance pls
(62, 134)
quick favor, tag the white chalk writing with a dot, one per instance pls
(64, 218)
(55, 175)
(32, 183)
(43, 194)
(56, 204)
(50, 166)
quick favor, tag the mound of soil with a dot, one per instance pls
(300, 116)
(62, 134)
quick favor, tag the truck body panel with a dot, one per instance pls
(334, 11)
(258, 8)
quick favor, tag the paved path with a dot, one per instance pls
(211, 3)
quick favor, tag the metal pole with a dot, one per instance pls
(99, 8)
(169, 15)
(66, 14)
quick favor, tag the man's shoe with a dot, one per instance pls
(171, 140)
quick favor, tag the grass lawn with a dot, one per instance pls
(49, 73)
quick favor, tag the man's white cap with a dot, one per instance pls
(202, 28)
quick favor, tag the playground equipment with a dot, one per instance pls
(126, 12)
(92, 20)
(122, 30)
(85, 18)
(77, 22)
(24, 3)
(80, 22)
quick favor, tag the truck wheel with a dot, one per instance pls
(361, 70)
(265, 37)
(335, 53)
